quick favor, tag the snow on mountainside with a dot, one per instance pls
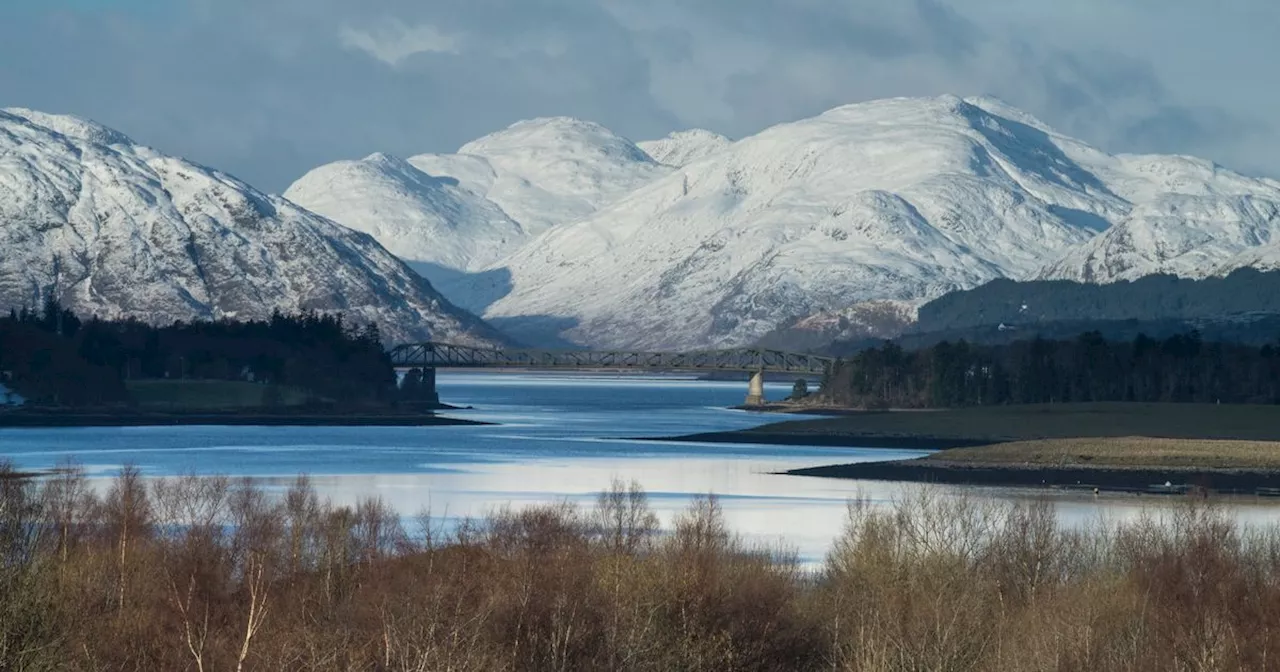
(868, 320)
(900, 199)
(116, 229)
(551, 171)
(684, 147)
(564, 232)
(1263, 258)
(1190, 218)
(417, 216)
(463, 211)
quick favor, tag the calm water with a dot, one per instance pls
(558, 437)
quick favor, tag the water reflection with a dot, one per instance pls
(560, 437)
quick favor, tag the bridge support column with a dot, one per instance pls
(429, 394)
(755, 389)
(419, 386)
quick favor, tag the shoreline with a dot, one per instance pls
(1108, 446)
(49, 420)
(1148, 480)
(868, 441)
(791, 408)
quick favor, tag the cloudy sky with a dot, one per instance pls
(267, 89)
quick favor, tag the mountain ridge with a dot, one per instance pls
(696, 241)
(491, 197)
(902, 200)
(113, 228)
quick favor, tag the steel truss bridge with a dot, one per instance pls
(450, 356)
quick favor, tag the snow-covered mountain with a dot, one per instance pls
(116, 229)
(464, 211)
(902, 200)
(419, 217)
(684, 147)
(561, 231)
(1189, 218)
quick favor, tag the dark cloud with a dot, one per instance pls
(270, 88)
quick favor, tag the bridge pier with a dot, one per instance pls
(755, 389)
(428, 393)
(419, 385)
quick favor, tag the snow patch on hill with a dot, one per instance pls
(685, 147)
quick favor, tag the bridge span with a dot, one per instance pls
(427, 357)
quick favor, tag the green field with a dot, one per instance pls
(1050, 421)
(210, 394)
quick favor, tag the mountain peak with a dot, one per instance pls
(123, 231)
(682, 148)
(560, 122)
(936, 111)
(447, 213)
(901, 199)
(695, 241)
(427, 220)
(564, 136)
(76, 128)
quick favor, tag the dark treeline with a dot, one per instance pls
(53, 357)
(207, 573)
(1089, 368)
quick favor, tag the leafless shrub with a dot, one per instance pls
(622, 521)
(203, 573)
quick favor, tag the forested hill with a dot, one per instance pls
(1088, 368)
(52, 357)
(1151, 298)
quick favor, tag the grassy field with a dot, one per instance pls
(1052, 421)
(1121, 452)
(208, 394)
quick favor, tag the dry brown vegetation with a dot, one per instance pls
(1122, 452)
(212, 574)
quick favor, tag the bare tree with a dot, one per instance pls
(622, 520)
(195, 633)
(302, 522)
(256, 610)
(68, 505)
(128, 515)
